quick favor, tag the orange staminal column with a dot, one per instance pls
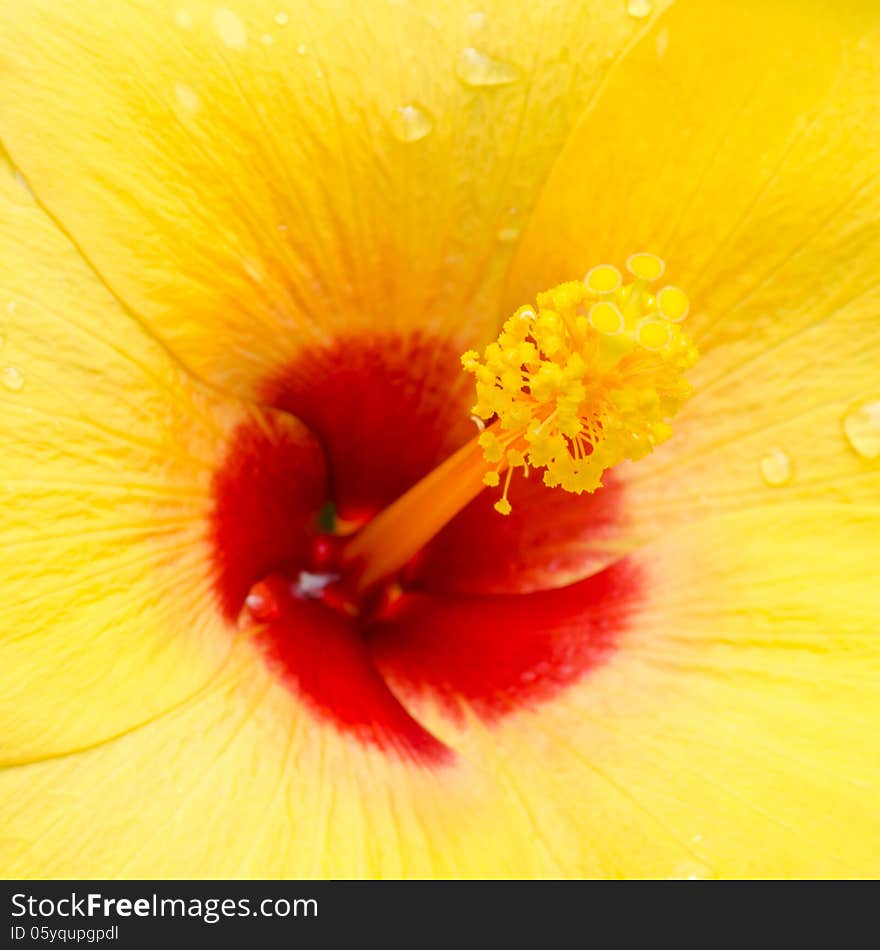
(584, 380)
(387, 542)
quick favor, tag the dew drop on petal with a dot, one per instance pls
(861, 426)
(506, 235)
(281, 18)
(302, 49)
(187, 98)
(476, 20)
(22, 183)
(183, 19)
(410, 123)
(474, 68)
(11, 307)
(230, 29)
(13, 379)
(661, 44)
(267, 39)
(690, 870)
(776, 467)
(260, 606)
(639, 8)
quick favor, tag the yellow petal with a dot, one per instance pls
(248, 187)
(110, 615)
(236, 783)
(731, 734)
(739, 142)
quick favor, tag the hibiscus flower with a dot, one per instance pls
(244, 245)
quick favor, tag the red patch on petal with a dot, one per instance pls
(386, 409)
(503, 653)
(550, 538)
(266, 498)
(321, 653)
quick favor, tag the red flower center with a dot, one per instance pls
(495, 612)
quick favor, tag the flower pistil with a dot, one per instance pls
(588, 377)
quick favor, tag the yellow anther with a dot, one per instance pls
(603, 279)
(579, 383)
(673, 304)
(492, 448)
(502, 506)
(646, 266)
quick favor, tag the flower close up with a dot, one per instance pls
(439, 439)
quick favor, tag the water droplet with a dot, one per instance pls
(474, 68)
(410, 123)
(260, 606)
(22, 183)
(776, 467)
(661, 44)
(183, 19)
(302, 49)
(508, 234)
(10, 307)
(267, 39)
(187, 98)
(639, 8)
(230, 29)
(691, 870)
(281, 18)
(13, 379)
(861, 425)
(476, 20)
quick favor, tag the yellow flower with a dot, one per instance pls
(242, 245)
